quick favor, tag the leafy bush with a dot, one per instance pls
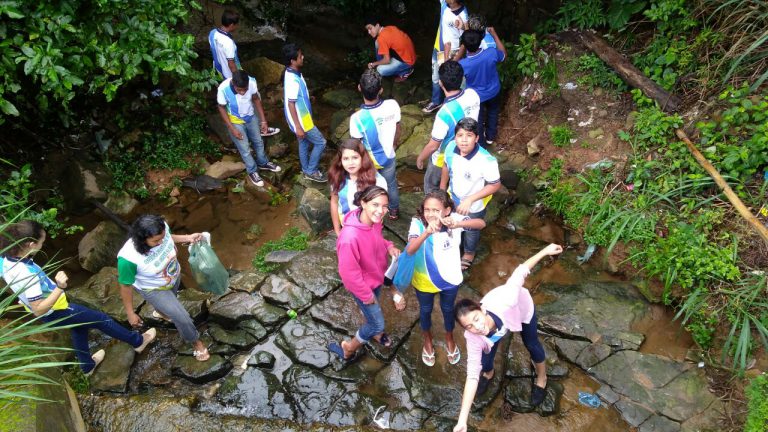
(56, 50)
(586, 14)
(757, 411)
(293, 239)
(561, 135)
(597, 74)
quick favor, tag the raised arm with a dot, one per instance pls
(551, 249)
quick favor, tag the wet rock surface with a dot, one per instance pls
(201, 372)
(281, 291)
(112, 374)
(100, 246)
(102, 292)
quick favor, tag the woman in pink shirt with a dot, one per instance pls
(363, 253)
(504, 309)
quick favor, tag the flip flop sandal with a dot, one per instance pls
(384, 340)
(428, 359)
(201, 356)
(455, 356)
(465, 264)
(271, 131)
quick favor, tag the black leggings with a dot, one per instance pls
(531, 341)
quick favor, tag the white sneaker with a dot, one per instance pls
(148, 336)
(97, 357)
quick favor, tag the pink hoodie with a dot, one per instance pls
(362, 252)
(513, 304)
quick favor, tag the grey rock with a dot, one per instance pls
(266, 313)
(281, 291)
(112, 374)
(342, 98)
(247, 281)
(570, 349)
(315, 270)
(658, 423)
(607, 394)
(254, 328)
(193, 301)
(232, 308)
(83, 181)
(281, 256)
(307, 342)
(102, 292)
(685, 397)
(238, 338)
(592, 355)
(201, 372)
(256, 393)
(202, 183)
(99, 247)
(121, 203)
(314, 207)
(632, 413)
(519, 360)
(262, 359)
(267, 72)
(224, 169)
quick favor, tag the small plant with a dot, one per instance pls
(77, 380)
(254, 231)
(586, 14)
(277, 198)
(561, 135)
(757, 405)
(597, 74)
(293, 239)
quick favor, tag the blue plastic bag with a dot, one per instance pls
(406, 265)
(207, 270)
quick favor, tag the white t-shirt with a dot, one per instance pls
(441, 267)
(449, 31)
(30, 282)
(375, 125)
(157, 270)
(295, 90)
(223, 49)
(469, 174)
(455, 108)
(239, 107)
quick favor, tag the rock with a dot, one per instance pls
(410, 148)
(112, 374)
(266, 71)
(496, 205)
(277, 149)
(632, 413)
(315, 270)
(219, 128)
(518, 395)
(247, 281)
(222, 170)
(707, 421)
(536, 143)
(341, 130)
(202, 183)
(266, 313)
(592, 311)
(121, 203)
(407, 124)
(342, 98)
(254, 328)
(99, 248)
(256, 394)
(685, 397)
(102, 292)
(519, 361)
(321, 399)
(407, 419)
(658, 423)
(527, 193)
(201, 372)
(632, 374)
(232, 308)
(281, 256)
(262, 359)
(596, 133)
(391, 381)
(83, 181)
(283, 292)
(518, 216)
(193, 301)
(570, 349)
(602, 113)
(315, 208)
(307, 342)
(238, 338)
(606, 394)
(592, 355)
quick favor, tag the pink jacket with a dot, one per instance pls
(362, 252)
(513, 304)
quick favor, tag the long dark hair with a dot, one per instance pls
(14, 238)
(369, 194)
(366, 176)
(465, 306)
(144, 227)
(439, 195)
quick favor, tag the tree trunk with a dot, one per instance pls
(628, 72)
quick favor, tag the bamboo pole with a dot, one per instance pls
(729, 193)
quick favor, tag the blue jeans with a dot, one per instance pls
(395, 66)
(389, 174)
(374, 319)
(530, 340)
(87, 319)
(251, 132)
(427, 301)
(489, 118)
(167, 304)
(311, 161)
(471, 237)
(432, 177)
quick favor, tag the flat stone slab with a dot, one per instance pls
(626, 370)
(281, 291)
(232, 309)
(201, 372)
(247, 281)
(594, 311)
(262, 359)
(519, 360)
(267, 314)
(316, 270)
(306, 341)
(658, 423)
(238, 338)
(253, 328)
(633, 413)
(102, 293)
(281, 256)
(256, 393)
(517, 394)
(112, 374)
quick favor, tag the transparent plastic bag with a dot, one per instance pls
(207, 270)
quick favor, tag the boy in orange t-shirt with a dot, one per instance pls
(395, 54)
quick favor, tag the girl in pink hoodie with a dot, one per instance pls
(362, 252)
(506, 308)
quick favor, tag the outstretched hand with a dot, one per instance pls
(553, 249)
